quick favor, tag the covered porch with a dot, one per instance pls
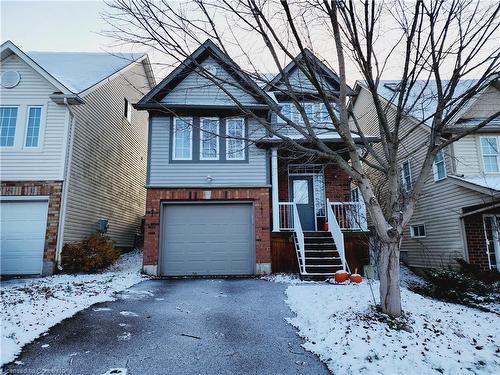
(317, 217)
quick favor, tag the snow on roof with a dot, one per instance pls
(489, 182)
(80, 70)
(422, 101)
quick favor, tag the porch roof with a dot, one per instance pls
(327, 137)
(485, 184)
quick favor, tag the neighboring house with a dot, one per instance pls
(220, 205)
(458, 213)
(73, 152)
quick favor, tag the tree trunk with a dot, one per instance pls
(390, 293)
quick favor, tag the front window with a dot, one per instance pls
(8, 119)
(439, 167)
(323, 115)
(489, 147)
(235, 144)
(33, 126)
(286, 110)
(406, 175)
(209, 140)
(183, 136)
(417, 231)
(309, 110)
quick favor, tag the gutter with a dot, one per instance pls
(67, 168)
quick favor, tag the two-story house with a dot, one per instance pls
(457, 213)
(226, 197)
(72, 152)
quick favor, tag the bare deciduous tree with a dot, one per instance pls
(438, 45)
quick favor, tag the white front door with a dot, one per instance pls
(492, 231)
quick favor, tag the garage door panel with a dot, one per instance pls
(207, 239)
(22, 236)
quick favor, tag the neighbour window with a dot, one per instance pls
(33, 126)
(8, 119)
(209, 140)
(489, 147)
(323, 115)
(235, 144)
(182, 138)
(127, 110)
(417, 231)
(439, 166)
(406, 175)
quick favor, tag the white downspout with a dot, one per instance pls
(275, 189)
(67, 168)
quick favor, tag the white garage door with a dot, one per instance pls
(207, 239)
(22, 236)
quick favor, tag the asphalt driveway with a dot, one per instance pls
(233, 326)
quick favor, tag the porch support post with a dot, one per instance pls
(275, 190)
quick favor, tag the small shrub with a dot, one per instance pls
(89, 255)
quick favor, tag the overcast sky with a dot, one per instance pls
(72, 25)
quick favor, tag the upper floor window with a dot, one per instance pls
(439, 166)
(322, 114)
(309, 110)
(127, 110)
(489, 148)
(209, 139)
(33, 126)
(286, 110)
(235, 143)
(8, 119)
(182, 138)
(406, 175)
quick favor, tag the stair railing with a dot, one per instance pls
(297, 227)
(338, 237)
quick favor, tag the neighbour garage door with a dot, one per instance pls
(207, 239)
(22, 236)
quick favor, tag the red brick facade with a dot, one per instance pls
(476, 240)
(52, 189)
(337, 182)
(260, 197)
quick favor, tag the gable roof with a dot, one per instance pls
(208, 48)
(325, 72)
(75, 72)
(422, 101)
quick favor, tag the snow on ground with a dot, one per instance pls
(31, 306)
(339, 325)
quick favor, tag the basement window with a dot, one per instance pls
(417, 231)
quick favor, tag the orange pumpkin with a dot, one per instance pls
(356, 278)
(341, 276)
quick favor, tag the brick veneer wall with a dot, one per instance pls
(476, 241)
(52, 189)
(155, 196)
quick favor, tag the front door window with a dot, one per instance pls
(300, 191)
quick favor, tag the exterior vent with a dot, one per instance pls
(10, 79)
(211, 69)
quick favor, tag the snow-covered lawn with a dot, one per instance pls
(31, 306)
(339, 325)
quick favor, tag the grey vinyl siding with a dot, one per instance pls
(300, 83)
(467, 152)
(486, 105)
(440, 204)
(163, 173)
(198, 90)
(108, 162)
(47, 161)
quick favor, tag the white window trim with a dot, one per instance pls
(184, 119)
(435, 168)
(482, 154)
(279, 119)
(16, 128)
(403, 174)
(217, 137)
(418, 225)
(243, 157)
(39, 128)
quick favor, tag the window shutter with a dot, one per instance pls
(435, 171)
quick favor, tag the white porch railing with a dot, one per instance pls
(297, 227)
(285, 213)
(350, 216)
(336, 232)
